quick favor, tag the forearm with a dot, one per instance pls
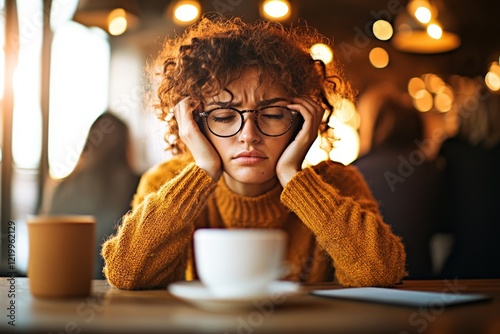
(364, 250)
(151, 247)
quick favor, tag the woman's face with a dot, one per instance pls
(249, 157)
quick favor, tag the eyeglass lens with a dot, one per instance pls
(271, 121)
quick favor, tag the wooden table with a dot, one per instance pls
(109, 310)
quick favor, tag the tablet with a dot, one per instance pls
(402, 297)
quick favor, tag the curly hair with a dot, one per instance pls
(210, 54)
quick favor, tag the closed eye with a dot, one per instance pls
(219, 119)
(223, 115)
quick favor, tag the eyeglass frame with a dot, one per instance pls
(205, 115)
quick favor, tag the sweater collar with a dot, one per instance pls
(264, 211)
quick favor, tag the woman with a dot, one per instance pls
(102, 183)
(405, 182)
(472, 184)
(244, 103)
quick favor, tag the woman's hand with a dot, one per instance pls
(203, 152)
(290, 162)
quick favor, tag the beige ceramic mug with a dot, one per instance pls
(61, 255)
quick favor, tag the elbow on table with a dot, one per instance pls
(378, 273)
(122, 281)
(380, 279)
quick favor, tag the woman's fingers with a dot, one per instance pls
(291, 159)
(312, 113)
(203, 152)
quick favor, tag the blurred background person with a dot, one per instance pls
(403, 178)
(102, 183)
(472, 185)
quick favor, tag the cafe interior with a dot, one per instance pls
(65, 62)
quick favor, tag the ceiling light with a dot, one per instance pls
(276, 9)
(422, 10)
(117, 22)
(423, 14)
(411, 35)
(435, 31)
(417, 38)
(186, 12)
(112, 16)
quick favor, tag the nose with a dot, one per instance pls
(249, 132)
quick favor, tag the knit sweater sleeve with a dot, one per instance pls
(335, 203)
(150, 248)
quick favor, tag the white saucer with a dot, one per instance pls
(195, 293)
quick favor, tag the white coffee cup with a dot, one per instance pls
(234, 263)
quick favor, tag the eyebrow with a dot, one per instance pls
(259, 104)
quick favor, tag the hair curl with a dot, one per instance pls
(210, 54)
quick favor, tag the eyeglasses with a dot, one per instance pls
(272, 121)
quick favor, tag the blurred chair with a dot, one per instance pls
(102, 183)
(402, 177)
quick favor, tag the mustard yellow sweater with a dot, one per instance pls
(335, 231)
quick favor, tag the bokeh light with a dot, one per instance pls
(186, 12)
(276, 9)
(382, 30)
(117, 21)
(321, 52)
(379, 58)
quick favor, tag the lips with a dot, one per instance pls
(250, 157)
(250, 154)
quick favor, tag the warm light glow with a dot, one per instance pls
(315, 154)
(379, 58)
(492, 80)
(415, 85)
(418, 41)
(423, 14)
(382, 30)
(2, 62)
(433, 83)
(79, 92)
(62, 12)
(346, 148)
(117, 21)
(2, 53)
(443, 102)
(422, 10)
(435, 31)
(431, 91)
(423, 101)
(187, 11)
(495, 67)
(322, 52)
(276, 9)
(26, 127)
(346, 113)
